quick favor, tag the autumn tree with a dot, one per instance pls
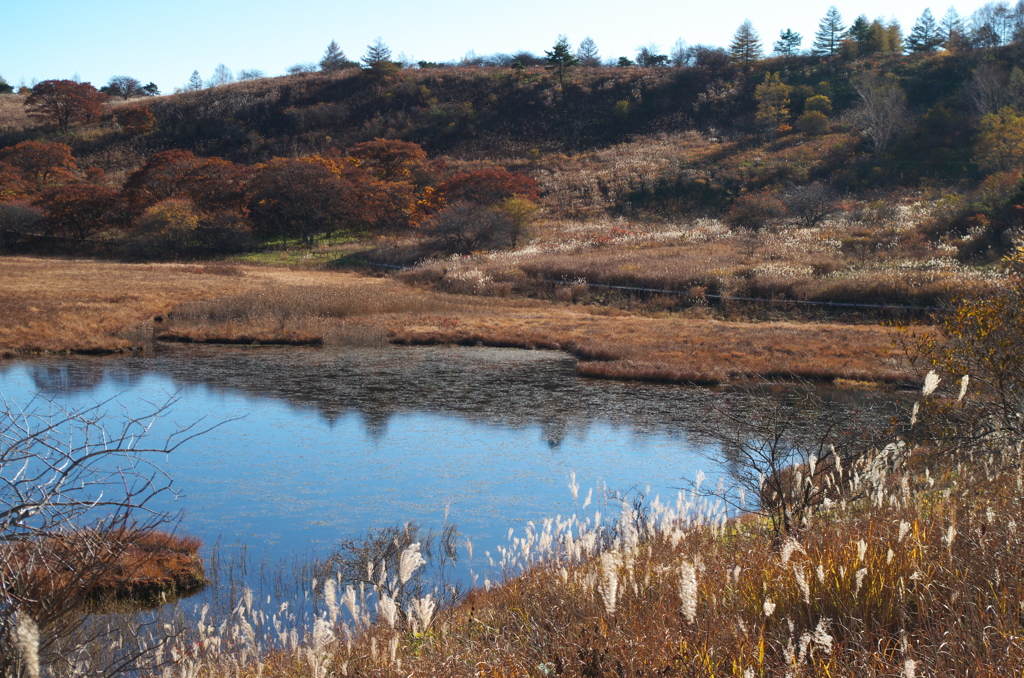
(560, 58)
(487, 187)
(772, 98)
(745, 48)
(305, 197)
(830, 33)
(587, 54)
(77, 210)
(1001, 141)
(389, 159)
(63, 102)
(12, 183)
(925, 36)
(41, 162)
(788, 43)
(214, 183)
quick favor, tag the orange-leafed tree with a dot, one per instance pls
(78, 210)
(12, 183)
(389, 159)
(63, 102)
(41, 162)
(136, 120)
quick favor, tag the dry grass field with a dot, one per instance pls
(54, 305)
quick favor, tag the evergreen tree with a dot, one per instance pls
(772, 97)
(334, 58)
(5, 88)
(378, 54)
(954, 35)
(860, 32)
(560, 59)
(926, 35)
(587, 54)
(829, 36)
(745, 48)
(788, 43)
(195, 83)
(648, 56)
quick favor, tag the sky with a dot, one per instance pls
(164, 42)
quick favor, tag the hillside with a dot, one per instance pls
(703, 185)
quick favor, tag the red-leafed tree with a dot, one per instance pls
(41, 162)
(213, 183)
(487, 187)
(77, 211)
(64, 102)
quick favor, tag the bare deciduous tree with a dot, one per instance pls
(72, 490)
(882, 115)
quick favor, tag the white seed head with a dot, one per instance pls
(931, 382)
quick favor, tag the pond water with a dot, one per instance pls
(313, 446)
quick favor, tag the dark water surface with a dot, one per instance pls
(318, 445)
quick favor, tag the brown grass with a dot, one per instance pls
(85, 306)
(13, 116)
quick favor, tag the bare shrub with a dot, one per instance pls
(811, 204)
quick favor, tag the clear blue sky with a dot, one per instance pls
(164, 41)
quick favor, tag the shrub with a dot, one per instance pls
(812, 123)
(820, 103)
(136, 119)
(754, 211)
(17, 219)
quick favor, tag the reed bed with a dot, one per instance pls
(915, 571)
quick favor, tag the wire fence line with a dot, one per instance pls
(719, 297)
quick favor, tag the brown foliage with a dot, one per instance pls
(214, 183)
(78, 210)
(136, 119)
(754, 211)
(487, 187)
(12, 184)
(41, 162)
(307, 196)
(63, 102)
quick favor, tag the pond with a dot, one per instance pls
(311, 446)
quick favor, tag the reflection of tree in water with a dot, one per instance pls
(504, 387)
